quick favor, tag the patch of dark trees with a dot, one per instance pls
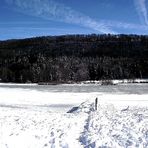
(73, 58)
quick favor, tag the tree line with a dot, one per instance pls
(74, 58)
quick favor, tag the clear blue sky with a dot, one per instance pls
(28, 18)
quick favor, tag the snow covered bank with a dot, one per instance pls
(107, 127)
(122, 81)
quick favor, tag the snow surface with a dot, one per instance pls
(34, 116)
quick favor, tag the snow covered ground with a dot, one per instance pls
(33, 116)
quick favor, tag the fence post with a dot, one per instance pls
(96, 103)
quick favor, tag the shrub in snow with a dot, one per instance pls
(107, 82)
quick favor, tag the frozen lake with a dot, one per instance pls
(82, 88)
(61, 98)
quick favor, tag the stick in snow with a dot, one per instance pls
(96, 103)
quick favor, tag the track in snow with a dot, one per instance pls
(112, 128)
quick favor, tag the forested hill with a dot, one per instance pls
(74, 58)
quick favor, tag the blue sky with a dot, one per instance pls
(29, 18)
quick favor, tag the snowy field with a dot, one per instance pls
(54, 116)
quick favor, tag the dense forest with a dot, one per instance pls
(73, 58)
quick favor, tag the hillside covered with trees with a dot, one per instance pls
(74, 58)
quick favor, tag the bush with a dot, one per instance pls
(107, 82)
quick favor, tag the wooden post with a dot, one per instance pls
(96, 103)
